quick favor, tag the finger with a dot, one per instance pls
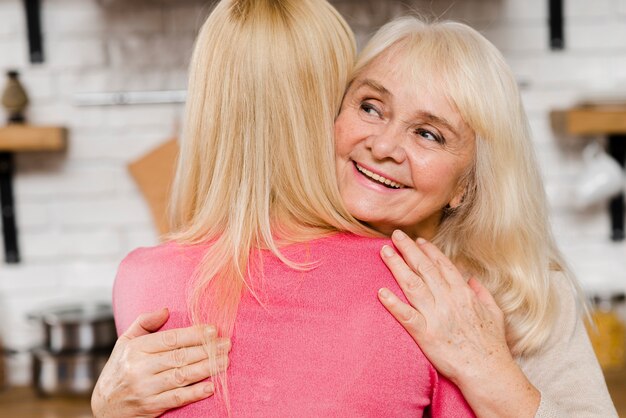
(177, 338)
(181, 396)
(420, 263)
(447, 269)
(482, 293)
(413, 287)
(185, 356)
(184, 376)
(411, 319)
(146, 323)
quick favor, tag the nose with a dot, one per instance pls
(387, 144)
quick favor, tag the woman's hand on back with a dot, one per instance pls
(459, 327)
(151, 372)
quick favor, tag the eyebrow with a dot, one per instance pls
(424, 115)
(374, 85)
(438, 120)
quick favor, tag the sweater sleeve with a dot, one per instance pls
(448, 401)
(566, 371)
(127, 291)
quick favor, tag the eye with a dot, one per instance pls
(424, 133)
(370, 109)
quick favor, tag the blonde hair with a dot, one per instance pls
(256, 165)
(500, 232)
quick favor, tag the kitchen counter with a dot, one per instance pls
(22, 402)
(616, 381)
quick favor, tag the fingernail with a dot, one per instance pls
(384, 293)
(209, 387)
(398, 235)
(209, 331)
(223, 344)
(387, 251)
(421, 241)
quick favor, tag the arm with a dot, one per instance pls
(462, 333)
(150, 372)
(459, 327)
(566, 371)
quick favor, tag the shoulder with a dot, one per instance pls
(345, 253)
(349, 244)
(158, 267)
(160, 259)
(568, 358)
(152, 278)
(564, 319)
(568, 301)
(562, 283)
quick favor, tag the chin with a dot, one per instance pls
(374, 223)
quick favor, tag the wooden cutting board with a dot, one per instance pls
(154, 173)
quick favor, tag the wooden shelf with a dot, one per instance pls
(13, 139)
(590, 120)
(24, 138)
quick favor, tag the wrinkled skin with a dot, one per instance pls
(149, 373)
(459, 327)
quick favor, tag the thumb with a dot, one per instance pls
(481, 292)
(147, 323)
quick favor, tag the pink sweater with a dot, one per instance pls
(325, 346)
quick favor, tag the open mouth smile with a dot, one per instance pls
(378, 178)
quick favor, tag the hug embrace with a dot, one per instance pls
(350, 237)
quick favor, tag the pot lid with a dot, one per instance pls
(75, 313)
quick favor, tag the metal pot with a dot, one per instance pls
(73, 374)
(78, 328)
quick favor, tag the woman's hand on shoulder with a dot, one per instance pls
(151, 372)
(458, 326)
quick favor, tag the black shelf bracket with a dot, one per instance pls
(555, 18)
(9, 231)
(617, 150)
(33, 22)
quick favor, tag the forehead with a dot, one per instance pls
(407, 76)
(414, 86)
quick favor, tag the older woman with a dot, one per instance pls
(432, 141)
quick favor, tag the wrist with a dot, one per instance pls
(499, 390)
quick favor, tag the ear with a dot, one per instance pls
(465, 184)
(458, 197)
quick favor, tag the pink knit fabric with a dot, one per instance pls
(322, 346)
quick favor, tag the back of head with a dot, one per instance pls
(266, 80)
(500, 230)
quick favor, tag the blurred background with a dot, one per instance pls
(106, 78)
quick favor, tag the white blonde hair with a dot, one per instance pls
(500, 232)
(256, 166)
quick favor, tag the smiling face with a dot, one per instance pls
(402, 150)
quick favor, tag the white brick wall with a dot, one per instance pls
(78, 212)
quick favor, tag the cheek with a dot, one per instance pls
(435, 175)
(341, 138)
(346, 133)
(427, 167)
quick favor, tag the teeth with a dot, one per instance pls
(379, 178)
